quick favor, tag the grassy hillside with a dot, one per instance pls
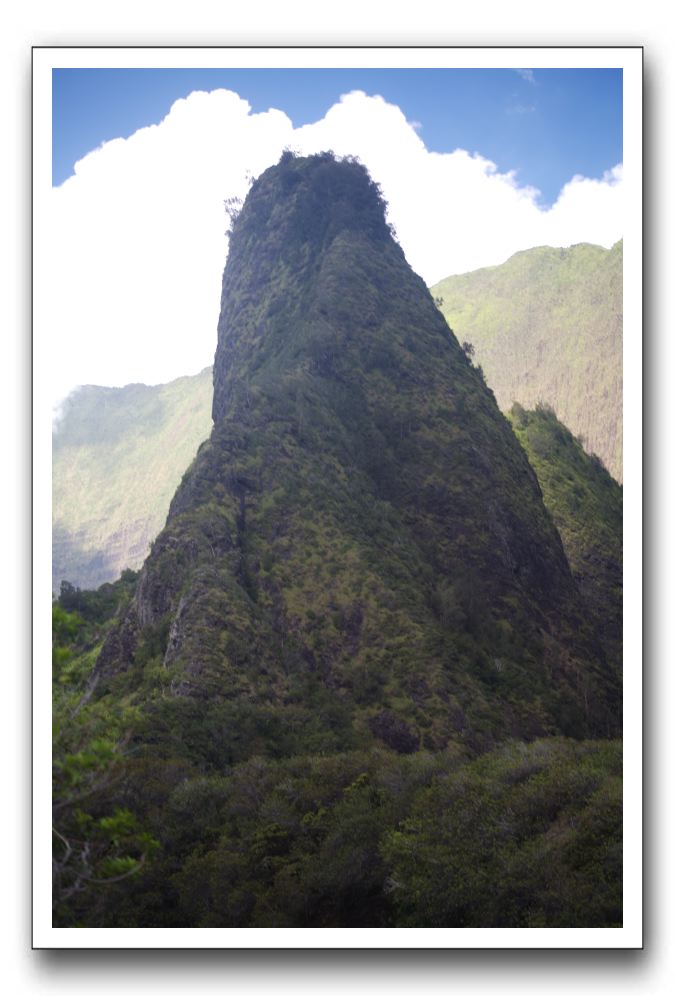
(547, 327)
(118, 456)
(586, 504)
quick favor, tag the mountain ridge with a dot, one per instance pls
(118, 456)
(547, 327)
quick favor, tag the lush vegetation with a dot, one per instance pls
(97, 843)
(547, 327)
(118, 456)
(351, 665)
(526, 835)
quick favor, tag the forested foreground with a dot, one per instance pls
(157, 824)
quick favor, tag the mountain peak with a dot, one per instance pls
(293, 215)
(362, 543)
(312, 198)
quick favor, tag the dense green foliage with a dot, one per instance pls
(547, 327)
(118, 456)
(98, 843)
(527, 835)
(586, 504)
(358, 604)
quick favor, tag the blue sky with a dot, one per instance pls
(547, 124)
(458, 153)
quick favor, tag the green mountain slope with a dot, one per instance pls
(586, 504)
(118, 456)
(546, 327)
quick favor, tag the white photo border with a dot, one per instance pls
(630, 60)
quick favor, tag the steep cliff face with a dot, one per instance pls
(360, 552)
(547, 326)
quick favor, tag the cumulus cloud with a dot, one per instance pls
(137, 243)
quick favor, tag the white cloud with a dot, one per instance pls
(138, 240)
(527, 75)
(521, 109)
